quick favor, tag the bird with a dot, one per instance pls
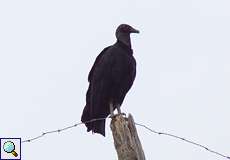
(110, 78)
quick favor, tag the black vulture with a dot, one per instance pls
(110, 78)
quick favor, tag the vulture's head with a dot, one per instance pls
(123, 33)
(125, 29)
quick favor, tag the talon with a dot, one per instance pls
(112, 116)
(118, 114)
(123, 114)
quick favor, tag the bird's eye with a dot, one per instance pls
(126, 28)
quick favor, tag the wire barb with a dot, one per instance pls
(183, 139)
(138, 124)
(60, 130)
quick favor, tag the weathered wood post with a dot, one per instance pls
(126, 139)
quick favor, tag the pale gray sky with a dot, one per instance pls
(47, 48)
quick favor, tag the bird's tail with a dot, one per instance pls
(97, 126)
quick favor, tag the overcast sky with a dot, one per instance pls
(182, 86)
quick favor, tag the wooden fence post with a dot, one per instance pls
(126, 140)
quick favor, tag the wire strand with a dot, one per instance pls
(138, 124)
(183, 139)
(60, 130)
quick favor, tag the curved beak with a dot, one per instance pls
(133, 30)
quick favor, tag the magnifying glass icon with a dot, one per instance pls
(9, 147)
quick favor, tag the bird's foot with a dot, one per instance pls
(118, 114)
(112, 116)
(122, 113)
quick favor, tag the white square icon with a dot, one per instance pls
(10, 148)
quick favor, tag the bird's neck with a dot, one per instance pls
(125, 47)
(125, 39)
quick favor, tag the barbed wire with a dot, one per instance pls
(138, 124)
(62, 129)
(183, 139)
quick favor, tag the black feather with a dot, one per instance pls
(110, 78)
